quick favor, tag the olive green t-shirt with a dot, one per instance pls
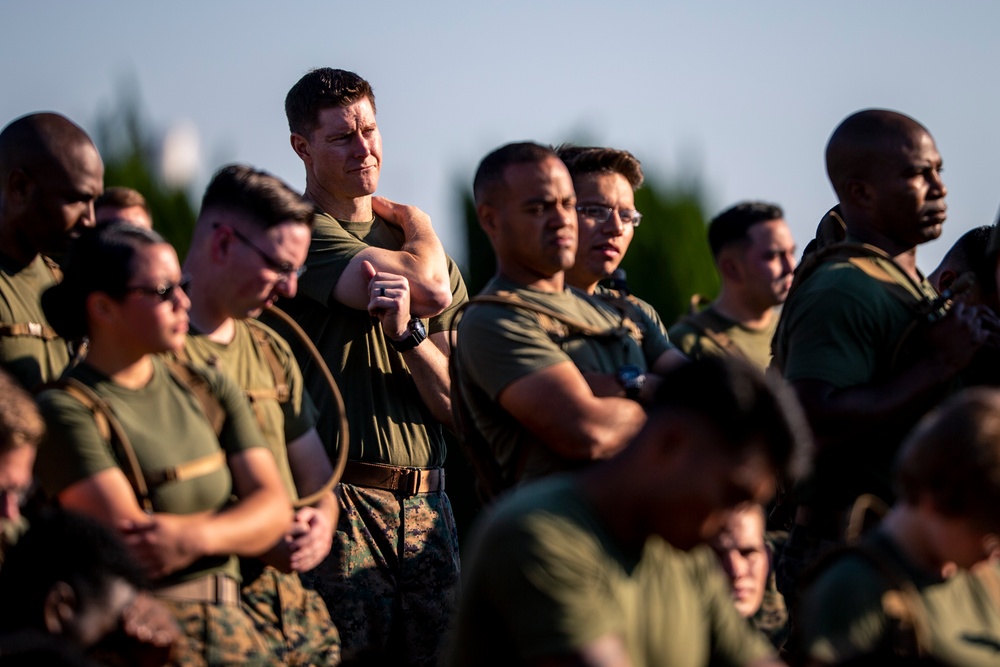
(166, 426)
(31, 360)
(498, 344)
(243, 359)
(842, 327)
(691, 335)
(543, 577)
(842, 614)
(646, 307)
(388, 420)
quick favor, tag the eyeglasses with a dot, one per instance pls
(283, 269)
(163, 292)
(601, 214)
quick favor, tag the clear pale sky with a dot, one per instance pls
(742, 95)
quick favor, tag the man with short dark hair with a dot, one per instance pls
(249, 244)
(50, 174)
(607, 566)
(755, 255)
(840, 342)
(972, 257)
(121, 203)
(534, 342)
(375, 300)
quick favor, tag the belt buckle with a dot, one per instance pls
(35, 329)
(412, 478)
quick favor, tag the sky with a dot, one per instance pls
(739, 96)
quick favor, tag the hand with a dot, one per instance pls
(399, 215)
(389, 301)
(312, 542)
(164, 543)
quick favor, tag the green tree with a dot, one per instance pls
(129, 148)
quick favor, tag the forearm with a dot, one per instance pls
(428, 364)
(250, 527)
(600, 431)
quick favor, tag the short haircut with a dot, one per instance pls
(583, 160)
(257, 196)
(100, 259)
(971, 253)
(744, 407)
(121, 197)
(953, 458)
(21, 423)
(731, 227)
(490, 172)
(862, 140)
(67, 547)
(38, 141)
(323, 88)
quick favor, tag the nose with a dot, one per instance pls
(937, 188)
(89, 218)
(10, 509)
(614, 224)
(180, 299)
(788, 263)
(361, 147)
(288, 285)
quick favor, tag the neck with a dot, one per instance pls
(114, 361)
(15, 246)
(732, 307)
(907, 527)
(214, 323)
(904, 255)
(208, 312)
(554, 283)
(585, 283)
(350, 209)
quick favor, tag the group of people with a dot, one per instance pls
(183, 441)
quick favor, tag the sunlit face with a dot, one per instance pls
(61, 199)
(15, 482)
(602, 244)
(533, 225)
(767, 263)
(343, 155)
(134, 215)
(741, 549)
(907, 190)
(147, 321)
(262, 266)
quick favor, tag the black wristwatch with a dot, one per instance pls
(631, 378)
(417, 335)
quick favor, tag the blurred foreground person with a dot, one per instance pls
(21, 428)
(604, 567)
(893, 593)
(73, 580)
(158, 450)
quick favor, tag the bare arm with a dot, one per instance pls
(428, 361)
(585, 426)
(165, 543)
(421, 260)
(309, 541)
(606, 651)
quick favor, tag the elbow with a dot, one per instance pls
(593, 442)
(431, 297)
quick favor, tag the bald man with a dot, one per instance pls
(50, 174)
(838, 342)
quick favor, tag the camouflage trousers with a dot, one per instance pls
(215, 634)
(291, 619)
(391, 579)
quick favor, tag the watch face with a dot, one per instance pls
(418, 327)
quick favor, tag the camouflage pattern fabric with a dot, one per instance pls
(216, 635)
(391, 580)
(291, 619)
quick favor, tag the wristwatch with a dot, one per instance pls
(417, 335)
(631, 378)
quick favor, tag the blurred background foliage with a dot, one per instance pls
(131, 148)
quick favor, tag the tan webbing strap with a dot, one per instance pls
(189, 469)
(699, 322)
(31, 329)
(110, 430)
(54, 267)
(185, 375)
(338, 401)
(281, 391)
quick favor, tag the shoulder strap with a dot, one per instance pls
(557, 325)
(31, 329)
(629, 311)
(281, 392)
(185, 374)
(700, 322)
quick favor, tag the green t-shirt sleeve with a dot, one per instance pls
(655, 340)
(73, 448)
(498, 345)
(841, 614)
(547, 591)
(459, 295)
(331, 250)
(837, 329)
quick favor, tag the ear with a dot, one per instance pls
(301, 147)
(18, 188)
(945, 280)
(730, 268)
(860, 193)
(488, 219)
(220, 245)
(101, 307)
(59, 610)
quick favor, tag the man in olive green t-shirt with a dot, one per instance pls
(375, 300)
(607, 566)
(50, 174)
(250, 240)
(558, 391)
(755, 255)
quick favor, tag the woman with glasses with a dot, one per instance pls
(157, 450)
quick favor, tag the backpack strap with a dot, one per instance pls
(559, 326)
(30, 329)
(701, 322)
(281, 391)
